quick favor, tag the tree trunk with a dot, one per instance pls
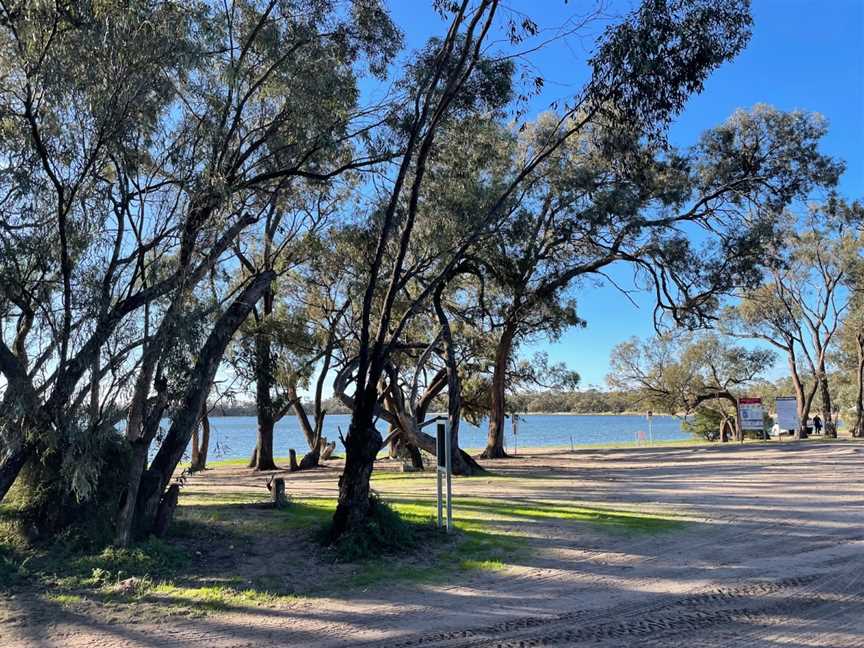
(803, 399)
(20, 390)
(165, 513)
(361, 445)
(497, 414)
(310, 459)
(830, 430)
(9, 469)
(263, 453)
(201, 446)
(95, 396)
(460, 462)
(263, 456)
(726, 429)
(176, 440)
(196, 451)
(124, 526)
(140, 449)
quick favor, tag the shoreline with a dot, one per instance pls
(520, 414)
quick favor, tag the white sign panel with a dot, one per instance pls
(751, 414)
(787, 413)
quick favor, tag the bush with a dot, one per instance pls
(705, 423)
(82, 513)
(385, 532)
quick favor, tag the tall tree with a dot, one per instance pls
(607, 198)
(799, 308)
(454, 78)
(139, 181)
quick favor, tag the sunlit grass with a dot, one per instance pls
(214, 597)
(475, 513)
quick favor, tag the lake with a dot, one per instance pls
(233, 437)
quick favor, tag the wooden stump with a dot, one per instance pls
(327, 450)
(280, 500)
(292, 454)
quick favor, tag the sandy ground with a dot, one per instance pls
(773, 555)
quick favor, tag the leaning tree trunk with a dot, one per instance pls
(9, 469)
(149, 496)
(497, 414)
(201, 445)
(830, 429)
(805, 407)
(802, 400)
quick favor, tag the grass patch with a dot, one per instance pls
(65, 600)
(476, 513)
(211, 598)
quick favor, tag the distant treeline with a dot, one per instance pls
(590, 401)
(247, 408)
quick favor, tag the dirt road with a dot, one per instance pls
(772, 554)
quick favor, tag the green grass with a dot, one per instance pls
(212, 598)
(477, 513)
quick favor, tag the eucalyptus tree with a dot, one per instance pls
(679, 42)
(136, 157)
(851, 334)
(274, 337)
(691, 224)
(799, 308)
(291, 336)
(685, 372)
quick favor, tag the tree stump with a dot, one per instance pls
(328, 450)
(292, 454)
(277, 490)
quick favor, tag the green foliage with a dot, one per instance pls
(677, 373)
(704, 423)
(75, 489)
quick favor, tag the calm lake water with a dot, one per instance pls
(233, 437)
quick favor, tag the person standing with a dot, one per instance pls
(817, 424)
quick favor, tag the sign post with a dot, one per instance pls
(650, 417)
(752, 415)
(787, 413)
(445, 470)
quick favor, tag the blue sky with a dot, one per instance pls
(804, 54)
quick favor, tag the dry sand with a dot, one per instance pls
(773, 555)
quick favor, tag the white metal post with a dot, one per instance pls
(650, 427)
(448, 462)
(515, 422)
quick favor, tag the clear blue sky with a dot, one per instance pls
(804, 54)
